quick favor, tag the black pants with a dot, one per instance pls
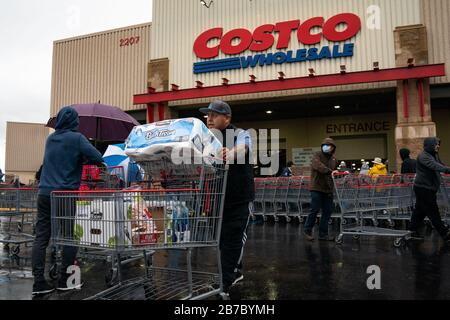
(43, 233)
(232, 241)
(426, 206)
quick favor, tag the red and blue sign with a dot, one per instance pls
(263, 39)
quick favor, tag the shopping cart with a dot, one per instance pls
(269, 204)
(17, 219)
(258, 203)
(100, 178)
(293, 204)
(443, 198)
(403, 196)
(185, 213)
(280, 199)
(363, 198)
(305, 198)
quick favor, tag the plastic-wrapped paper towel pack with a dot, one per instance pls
(181, 140)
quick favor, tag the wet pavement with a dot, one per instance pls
(279, 264)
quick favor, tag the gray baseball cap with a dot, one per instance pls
(217, 106)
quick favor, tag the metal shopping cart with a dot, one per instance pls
(280, 199)
(17, 219)
(258, 203)
(443, 198)
(185, 213)
(363, 198)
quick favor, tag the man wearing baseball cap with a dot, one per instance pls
(239, 192)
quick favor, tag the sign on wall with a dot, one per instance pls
(237, 41)
(302, 156)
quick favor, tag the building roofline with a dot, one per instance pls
(90, 35)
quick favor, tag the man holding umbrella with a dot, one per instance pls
(66, 151)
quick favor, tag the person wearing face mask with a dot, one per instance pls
(426, 185)
(323, 165)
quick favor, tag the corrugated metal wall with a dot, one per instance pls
(25, 145)
(436, 16)
(96, 68)
(184, 20)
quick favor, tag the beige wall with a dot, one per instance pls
(436, 16)
(310, 132)
(25, 146)
(96, 68)
(442, 119)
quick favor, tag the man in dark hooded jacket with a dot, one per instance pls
(408, 165)
(323, 165)
(65, 152)
(426, 186)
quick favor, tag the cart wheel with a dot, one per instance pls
(375, 223)
(301, 220)
(356, 237)
(265, 218)
(340, 239)
(53, 273)
(277, 219)
(111, 277)
(330, 222)
(16, 250)
(344, 221)
(288, 219)
(224, 297)
(398, 242)
(391, 224)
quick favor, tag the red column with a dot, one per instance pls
(405, 99)
(421, 98)
(150, 113)
(161, 111)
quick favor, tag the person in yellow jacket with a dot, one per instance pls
(379, 169)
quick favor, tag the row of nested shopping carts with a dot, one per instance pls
(181, 213)
(18, 210)
(359, 200)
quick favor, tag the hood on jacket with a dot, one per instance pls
(67, 119)
(404, 153)
(330, 142)
(430, 144)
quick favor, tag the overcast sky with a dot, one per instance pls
(27, 31)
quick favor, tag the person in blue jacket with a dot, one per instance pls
(66, 151)
(287, 172)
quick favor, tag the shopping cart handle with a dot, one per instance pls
(337, 173)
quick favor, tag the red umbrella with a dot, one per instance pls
(101, 122)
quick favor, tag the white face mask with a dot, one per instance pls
(327, 149)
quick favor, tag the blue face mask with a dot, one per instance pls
(327, 148)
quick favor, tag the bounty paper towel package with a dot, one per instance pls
(181, 140)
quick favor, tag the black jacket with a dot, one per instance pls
(429, 167)
(240, 185)
(409, 165)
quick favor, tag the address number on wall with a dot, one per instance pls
(126, 42)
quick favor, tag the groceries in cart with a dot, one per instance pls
(132, 221)
(182, 141)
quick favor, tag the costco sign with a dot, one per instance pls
(238, 41)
